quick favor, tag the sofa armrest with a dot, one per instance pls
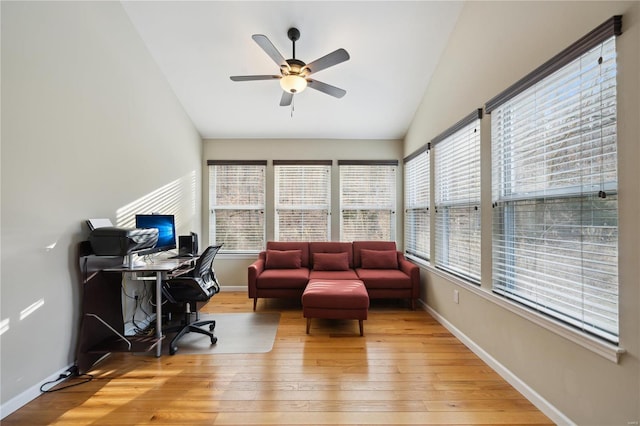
(253, 271)
(413, 271)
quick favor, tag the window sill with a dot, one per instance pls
(606, 350)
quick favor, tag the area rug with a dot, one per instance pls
(237, 333)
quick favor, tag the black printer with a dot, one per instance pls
(115, 241)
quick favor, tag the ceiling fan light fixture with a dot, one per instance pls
(293, 83)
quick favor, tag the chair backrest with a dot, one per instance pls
(204, 265)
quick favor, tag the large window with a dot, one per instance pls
(236, 205)
(416, 204)
(367, 200)
(457, 198)
(302, 200)
(554, 186)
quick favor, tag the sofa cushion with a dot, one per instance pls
(384, 278)
(283, 259)
(379, 259)
(349, 274)
(292, 245)
(331, 247)
(283, 278)
(331, 261)
(358, 246)
(333, 295)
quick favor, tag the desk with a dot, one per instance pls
(102, 325)
(161, 268)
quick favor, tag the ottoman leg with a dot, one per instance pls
(360, 322)
(308, 324)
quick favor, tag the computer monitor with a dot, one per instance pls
(165, 223)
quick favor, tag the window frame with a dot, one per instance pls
(505, 203)
(369, 204)
(456, 191)
(322, 207)
(258, 208)
(417, 204)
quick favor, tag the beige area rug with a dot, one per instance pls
(237, 333)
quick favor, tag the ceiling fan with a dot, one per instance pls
(295, 74)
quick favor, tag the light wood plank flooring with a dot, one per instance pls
(407, 369)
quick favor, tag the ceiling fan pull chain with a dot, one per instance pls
(292, 107)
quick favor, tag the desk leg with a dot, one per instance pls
(159, 277)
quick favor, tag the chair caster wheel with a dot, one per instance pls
(172, 351)
(214, 340)
(212, 326)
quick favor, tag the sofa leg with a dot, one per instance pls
(360, 322)
(255, 302)
(308, 324)
(413, 304)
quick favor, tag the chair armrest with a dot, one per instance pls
(253, 271)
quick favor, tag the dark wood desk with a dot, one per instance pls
(102, 326)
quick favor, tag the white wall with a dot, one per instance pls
(90, 128)
(231, 270)
(493, 45)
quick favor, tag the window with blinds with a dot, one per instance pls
(236, 205)
(417, 234)
(457, 198)
(367, 200)
(302, 200)
(554, 189)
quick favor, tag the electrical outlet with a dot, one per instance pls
(456, 296)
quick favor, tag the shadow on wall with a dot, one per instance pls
(177, 198)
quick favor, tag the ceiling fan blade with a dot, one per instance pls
(329, 60)
(286, 99)
(269, 48)
(334, 91)
(253, 77)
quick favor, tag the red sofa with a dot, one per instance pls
(284, 269)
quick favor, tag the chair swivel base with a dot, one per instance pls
(192, 327)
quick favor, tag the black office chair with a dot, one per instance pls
(199, 285)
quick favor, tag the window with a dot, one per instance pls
(303, 200)
(367, 200)
(457, 198)
(554, 187)
(237, 203)
(416, 203)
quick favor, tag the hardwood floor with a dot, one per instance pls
(407, 369)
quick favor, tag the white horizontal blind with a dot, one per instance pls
(554, 187)
(236, 205)
(303, 202)
(416, 202)
(367, 202)
(457, 199)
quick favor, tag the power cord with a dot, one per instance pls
(71, 372)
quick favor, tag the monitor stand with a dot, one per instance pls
(130, 262)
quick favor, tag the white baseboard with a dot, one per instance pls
(536, 399)
(28, 395)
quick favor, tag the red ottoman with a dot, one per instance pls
(335, 299)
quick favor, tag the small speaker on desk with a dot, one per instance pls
(188, 244)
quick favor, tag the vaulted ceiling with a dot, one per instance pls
(394, 48)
